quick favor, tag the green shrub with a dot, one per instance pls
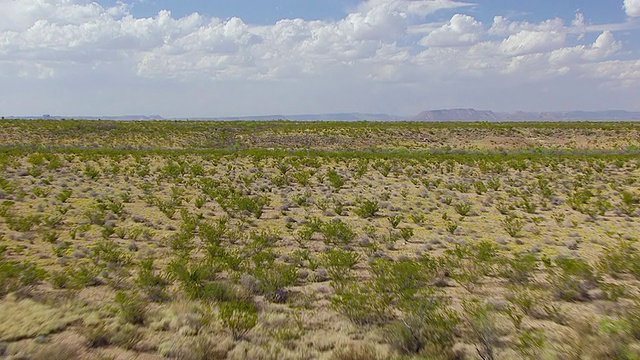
(168, 208)
(64, 195)
(212, 233)
(15, 275)
(150, 282)
(512, 225)
(108, 253)
(219, 257)
(480, 187)
(239, 317)
(97, 335)
(395, 220)
(126, 336)
(50, 237)
(527, 205)
(427, 328)
(362, 303)
(451, 226)
(571, 279)
(263, 240)
(406, 233)
(273, 279)
(304, 235)
(5, 207)
(182, 242)
(522, 301)
(23, 223)
(131, 307)
(91, 172)
(59, 279)
(81, 276)
(367, 208)
(399, 280)
(335, 179)
(339, 264)
(194, 278)
(579, 198)
(519, 269)
(96, 216)
(253, 205)
(494, 184)
(530, 343)
(620, 259)
(337, 232)
(463, 209)
(629, 203)
(481, 321)
(418, 218)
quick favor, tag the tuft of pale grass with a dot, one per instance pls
(26, 318)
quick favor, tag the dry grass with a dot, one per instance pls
(26, 318)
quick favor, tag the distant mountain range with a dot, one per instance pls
(430, 115)
(488, 115)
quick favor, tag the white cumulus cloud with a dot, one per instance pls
(632, 7)
(529, 42)
(460, 30)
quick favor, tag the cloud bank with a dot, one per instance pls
(381, 46)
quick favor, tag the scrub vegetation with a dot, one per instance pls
(288, 240)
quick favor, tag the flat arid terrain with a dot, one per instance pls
(319, 240)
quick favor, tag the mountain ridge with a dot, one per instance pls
(460, 114)
(488, 115)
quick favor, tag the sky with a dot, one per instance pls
(194, 58)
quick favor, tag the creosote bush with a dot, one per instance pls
(239, 317)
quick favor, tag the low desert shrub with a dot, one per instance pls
(362, 303)
(273, 279)
(131, 307)
(427, 328)
(481, 321)
(367, 208)
(15, 275)
(337, 232)
(571, 279)
(339, 264)
(150, 282)
(513, 225)
(239, 317)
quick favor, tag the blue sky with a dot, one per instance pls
(191, 58)
(269, 11)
